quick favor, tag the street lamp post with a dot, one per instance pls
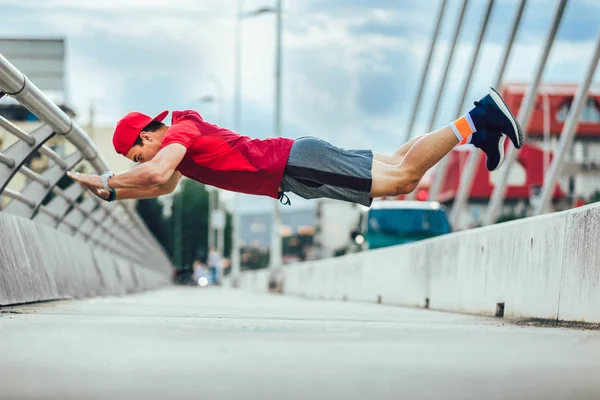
(237, 115)
(216, 99)
(275, 259)
(211, 206)
(214, 202)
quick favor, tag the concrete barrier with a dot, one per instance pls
(545, 267)
(579, 297)
(39, 263)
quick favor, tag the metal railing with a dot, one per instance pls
(115, 227)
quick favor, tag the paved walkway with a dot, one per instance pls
(194, 343)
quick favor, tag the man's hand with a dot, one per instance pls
(89, 181)
(101, 193)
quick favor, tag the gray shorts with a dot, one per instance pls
(317, 169)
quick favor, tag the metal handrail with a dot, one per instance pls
(16, 131)
(15, 84)
(9, 162)
(13, 194)
(35, 176)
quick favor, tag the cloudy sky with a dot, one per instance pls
(350, 67)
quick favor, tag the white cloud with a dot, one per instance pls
(328, 53)
(196, 38)
(91, 87)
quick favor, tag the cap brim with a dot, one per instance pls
(161, 116)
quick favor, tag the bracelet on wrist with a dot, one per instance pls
(112, 196)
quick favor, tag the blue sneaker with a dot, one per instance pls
(492, 144)
(492, 114)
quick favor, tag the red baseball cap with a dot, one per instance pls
(129, 127)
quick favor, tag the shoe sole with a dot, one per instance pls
(501, 151)
(518, 140)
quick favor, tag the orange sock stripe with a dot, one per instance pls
(464, 141)
(463, 127)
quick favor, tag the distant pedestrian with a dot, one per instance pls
(214, 264)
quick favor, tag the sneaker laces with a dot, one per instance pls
(284, 199)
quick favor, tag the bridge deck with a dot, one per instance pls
(221, 344)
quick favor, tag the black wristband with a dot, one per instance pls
(112, 195)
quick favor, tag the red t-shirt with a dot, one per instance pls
(225, 159)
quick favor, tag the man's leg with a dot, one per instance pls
(398, 156)
(428, 150)
(491, 113)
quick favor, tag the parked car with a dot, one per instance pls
(393, 222)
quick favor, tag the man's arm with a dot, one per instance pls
(145, 193)
(148, 193)
(155, 172)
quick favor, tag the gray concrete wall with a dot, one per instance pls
(544, 267)
(39, 263)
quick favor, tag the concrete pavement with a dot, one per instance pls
(193, 343)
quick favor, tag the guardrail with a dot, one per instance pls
(545, 267)
(115, 227)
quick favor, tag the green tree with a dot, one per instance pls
(192, 201)
(228, 235)
(190, 209)
(151, 211)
